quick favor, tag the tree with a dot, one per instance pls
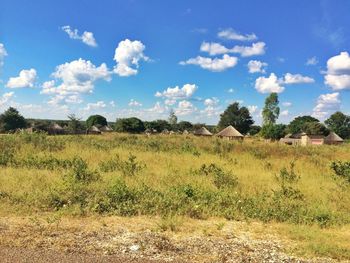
(185, 125)
(271, 110)
(159, 125)
(97, 120)
(254, 129)
(340, 124)
(131, 125)
(297, 125)
(238, 117)
(315, 128)
(74, 124)
(273, 131)
(172, 118)
(11, 120)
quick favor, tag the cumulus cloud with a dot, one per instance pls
(212, 108)
(284, 113)
(248, 51)
(176, 93)
(255, 66)
(338, 72)
(3, 54)
(77, 76)
(87, 37)
(5, 98)
(230, 90)
(311, 61)
(26, 79)
(134, 103)
(252, 108)
(211, 101)
(296, 79)
(213, 49)
(214, 65)
(268, 84)
(127, 55)
(184, 108)
(326, 104)
(231, 34)
(95, 106)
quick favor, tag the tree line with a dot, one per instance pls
(235, 115)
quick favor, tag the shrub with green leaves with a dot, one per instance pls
(342, 170)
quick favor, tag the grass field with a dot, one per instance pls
(292, 191)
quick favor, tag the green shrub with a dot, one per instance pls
(342, 170)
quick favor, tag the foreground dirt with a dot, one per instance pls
(114, 239)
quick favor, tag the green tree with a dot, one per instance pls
(185, 125)
(315, 128)
(172, 118)
(340, 124)
(273, 131)
(271, 110)
(11, 120)
(96, 120)
(131, 125)
(297, 125)
(238, 117)
(254, 129)
(158, 125)
(74, 124)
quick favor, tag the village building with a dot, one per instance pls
(106, 128)
(230, 133)
(93, 130)
(304, 139)
(55, 129)
(202, 132)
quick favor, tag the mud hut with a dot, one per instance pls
(202, 132)
(93, 130)
(230, 133)
(333, 138)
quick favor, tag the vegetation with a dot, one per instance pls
(298, 124)
(130, 125)
(271, 110)
(238, 117)
(11, 120)
(96, 120)
(340, 124)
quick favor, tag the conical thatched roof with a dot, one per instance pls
(94, 129)
(333, 137)
(202, 132)
(185, 132)
(229, 131)
(106, 128)
(55, 126)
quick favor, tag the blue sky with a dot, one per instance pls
(143, 58)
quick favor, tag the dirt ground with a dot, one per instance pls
(114, 239)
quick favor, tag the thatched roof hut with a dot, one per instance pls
(185, 132)
(106, 128)
(333, 138)
(55, 129)
(230, 133)
(202, 132)
(93, 130)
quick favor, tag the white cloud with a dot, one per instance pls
(231, 34)
(134, 103)
(246, 51)
(268, 84)
(215, 65)
(256, 66)
(252, 108)
(184, 108)
(296, 79)
(287, 104)
(284, 113)
(338, 72)
(157, 108)
(112, 103)
(95, 106)
(87, 37)
(211, 101)
(230, 90)
(74, 99)
(128, 54)
(3, 54)
(26, 79)
(175, 93)
(169, 102)
(326, 104)
(5, 98)
(312, 61)
(213, 48)
(77, 76)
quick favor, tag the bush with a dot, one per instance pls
(342, 170)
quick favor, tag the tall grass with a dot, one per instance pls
(175, 175)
